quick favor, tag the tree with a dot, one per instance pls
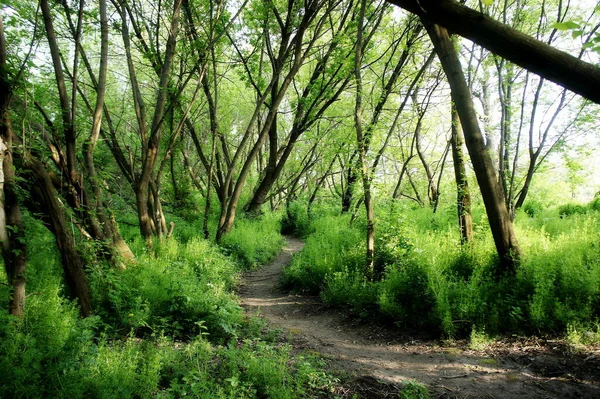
(12, 235)
(463, 194)
(327, 81)
(491, 191)
(548, 62)
(286, 41)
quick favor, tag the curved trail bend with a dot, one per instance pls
(449, 372)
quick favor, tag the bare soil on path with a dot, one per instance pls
(517, 368)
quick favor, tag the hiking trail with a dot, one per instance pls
(523, 368)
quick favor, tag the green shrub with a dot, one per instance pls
(533, 208)
(187, 288)
(295, 220)
(571, 209)
(414, 390)
(594, 205)
(392, 244)
(406, 297)
(254, 242)
(433, 282)
(333, 247)
(39, 351)
(351, 290)
(153, 335)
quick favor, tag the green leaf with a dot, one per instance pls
(487, 2)
(567, 25)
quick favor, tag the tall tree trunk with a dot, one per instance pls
(493, 196)
(106, 228)
(505, 88)
(12, 235)
(362, 142)
(463, 195)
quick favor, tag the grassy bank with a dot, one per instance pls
(166, 327)
(433, 284)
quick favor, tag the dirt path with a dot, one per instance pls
(525, 369)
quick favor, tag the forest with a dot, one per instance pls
(437, 158)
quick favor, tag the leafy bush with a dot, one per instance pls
(295, 221)
(433, 282)
(392, 245)
(414, 390)
(352, 291)
(533, 208)
(186, 288)
(594, 205)
(571, 209)
(254, 242)
(406, 297)
(334, 247)
(153, 335)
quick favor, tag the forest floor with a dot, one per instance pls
(378, 359)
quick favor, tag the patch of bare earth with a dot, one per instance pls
(381, 359)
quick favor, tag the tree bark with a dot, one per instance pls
(534, 55)
(12, 235)
(363, 141)
(493, 196)
(53, 211)
(463, 195)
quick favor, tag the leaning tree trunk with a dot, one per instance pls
(493, 196)
(463, 195)
(534, 55)
(11, 226)
(53, 212)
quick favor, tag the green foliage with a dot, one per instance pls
(594, 205)
(181, 292)
(37, 351)
(252, 369)
(533, 208)
(295, 220)
(478, 340)
(406, 296)
(414, 390)
(579, 336)
(352, 291)
(334, 247)
(571, 209)
(561, 276)
(168, 326)
(392, 246)
(433, 283)
(254, 242)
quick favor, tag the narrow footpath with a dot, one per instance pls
(522, 369)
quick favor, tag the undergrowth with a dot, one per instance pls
(254, 242)
(168, 326)
(433, 284)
